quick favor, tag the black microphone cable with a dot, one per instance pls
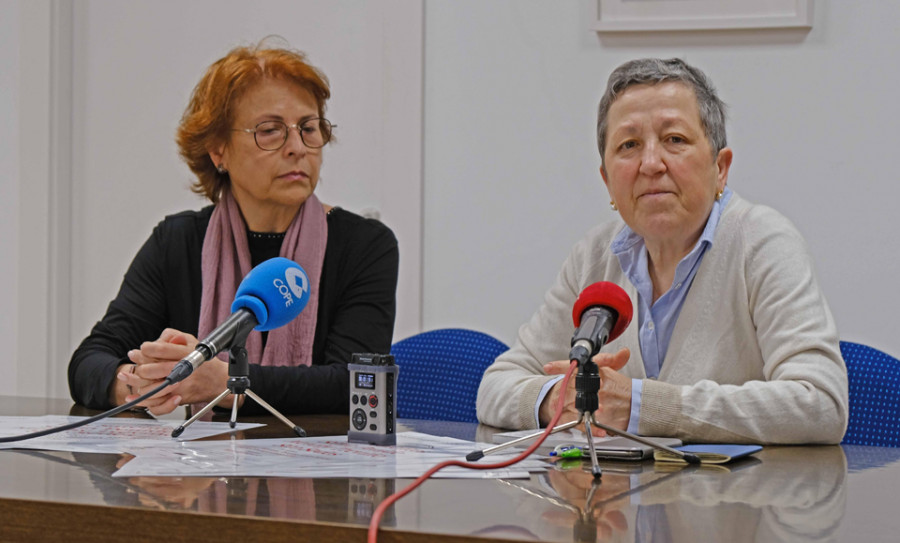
(180, 372)
(115, 411)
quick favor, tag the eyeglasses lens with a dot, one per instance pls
(272, 135)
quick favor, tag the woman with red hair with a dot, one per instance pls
(253, 133)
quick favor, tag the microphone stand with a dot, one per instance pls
(587, 387)
(238, 384)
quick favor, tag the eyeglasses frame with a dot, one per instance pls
(288, 127)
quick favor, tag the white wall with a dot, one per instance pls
(26, 176)
(511, 178)
(9, 176)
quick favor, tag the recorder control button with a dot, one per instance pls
(373, 401)
(373, 414)
(359, 419)
(354, 399)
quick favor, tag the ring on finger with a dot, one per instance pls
(130, 388)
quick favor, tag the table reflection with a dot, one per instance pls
(351, 500)
(788, 494)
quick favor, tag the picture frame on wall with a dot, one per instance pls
(677, 15)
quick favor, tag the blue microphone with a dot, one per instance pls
(275, 292)
(271, 295)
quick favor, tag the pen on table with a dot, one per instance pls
(567, 451)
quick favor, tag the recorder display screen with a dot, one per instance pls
(365, 380)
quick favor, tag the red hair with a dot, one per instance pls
(209, 116)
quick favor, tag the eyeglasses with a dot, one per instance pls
(315, 133)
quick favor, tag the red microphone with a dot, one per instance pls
(601, 313)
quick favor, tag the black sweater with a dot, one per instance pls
(161, 289)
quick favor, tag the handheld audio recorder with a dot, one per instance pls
(373, 399)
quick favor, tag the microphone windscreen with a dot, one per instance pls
(276, 292)
(609, 295)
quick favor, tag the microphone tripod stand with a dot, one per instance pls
(238, 384)
(587, 387)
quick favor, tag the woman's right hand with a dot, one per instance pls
(120, 389)
(155, 361)
(151, 364)
(129, 385)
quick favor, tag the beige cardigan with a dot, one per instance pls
(754, 356)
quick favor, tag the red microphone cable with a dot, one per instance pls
(387, 502)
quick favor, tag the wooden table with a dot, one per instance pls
(784, 494)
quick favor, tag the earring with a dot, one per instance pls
(221, 169)
(719, 195)
(613, 206)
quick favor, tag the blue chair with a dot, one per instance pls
(874, 396)
(440, 371)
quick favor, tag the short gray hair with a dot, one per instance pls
(650, 71)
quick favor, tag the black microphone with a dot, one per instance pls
(601, 313)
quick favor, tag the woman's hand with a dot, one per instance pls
(150, 368)
(614, 394)
(156, 359)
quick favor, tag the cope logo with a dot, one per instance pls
(295, 282)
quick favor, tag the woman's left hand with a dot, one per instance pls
(156, 359)
(615, 398)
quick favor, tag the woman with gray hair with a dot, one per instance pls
(733, 340)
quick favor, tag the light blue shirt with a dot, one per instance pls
(657, 321)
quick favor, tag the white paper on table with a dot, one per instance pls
(112, 435)
(571, 436)
(314, 457)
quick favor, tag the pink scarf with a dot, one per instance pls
(226, 260)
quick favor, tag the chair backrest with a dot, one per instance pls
(874, 396)
(440, 371)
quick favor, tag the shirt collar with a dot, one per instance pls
(627, 240)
